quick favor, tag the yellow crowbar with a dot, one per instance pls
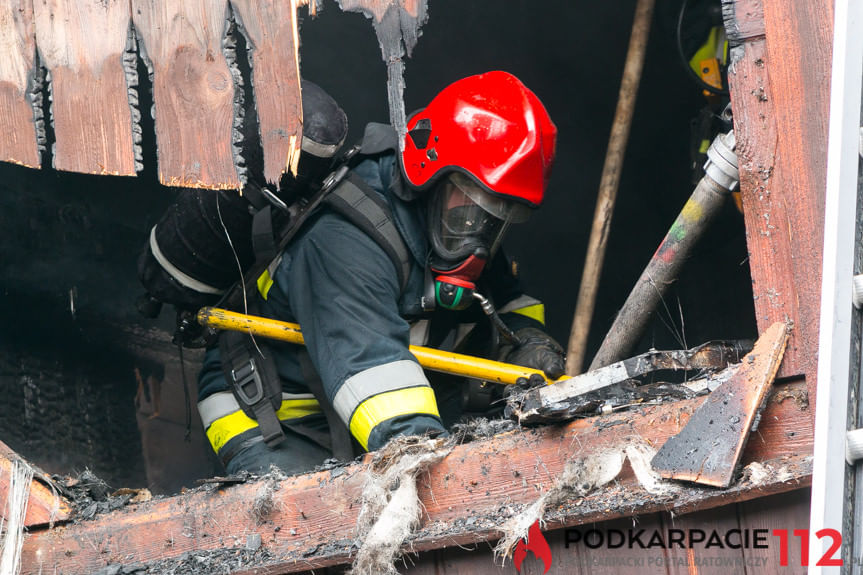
(433, 359)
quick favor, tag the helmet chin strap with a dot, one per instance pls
(454, 288)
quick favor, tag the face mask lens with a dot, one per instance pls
(463, 222)
(465, 218)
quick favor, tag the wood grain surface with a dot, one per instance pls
(44, 505)
(466, 497)
(779, 87)
(17, 70)
(81, 43)
(270, 27)
(744, 19)
(193, 90)
(708, 449)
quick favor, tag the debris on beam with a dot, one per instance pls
(20, 82)
(309, 521)
(708, 449)
(182, 43)
(45, 505)
(397, 24)
(83, 45)
(566, 399)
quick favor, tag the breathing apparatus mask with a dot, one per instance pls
(466, 225)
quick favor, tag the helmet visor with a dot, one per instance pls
(465, 218)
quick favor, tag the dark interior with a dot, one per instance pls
(79, 365)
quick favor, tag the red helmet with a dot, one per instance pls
(492, 128)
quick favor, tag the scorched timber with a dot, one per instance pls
(466, 497)
(17, 75)
(709, 447)
(397, 24)
(82, 44)
(271, 31)
(779, 80)
(193, 90)
(44, 506)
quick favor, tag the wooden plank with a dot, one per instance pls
(45, 505)
(699, 558)
(270, 28)
(744, 19)
(787, 511)
(708, 449)
(397, 24)
(471, 560)
(82, 44)
(17, 76)
(799, 36)
(467, 496)
(425, 564)
(193, 90)
(779, 91)
(581, 559)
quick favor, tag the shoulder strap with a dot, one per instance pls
(362, 206)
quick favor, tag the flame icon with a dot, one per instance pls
(535, 542)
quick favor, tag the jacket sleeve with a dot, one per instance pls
(343, 290)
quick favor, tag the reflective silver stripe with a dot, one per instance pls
(320, 150)
(274, 265)
(224, 403)
(376, 380)
(185, 280)
(518, 303)
(216, 407)
(292, 396)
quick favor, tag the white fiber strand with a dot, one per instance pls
(12, 530)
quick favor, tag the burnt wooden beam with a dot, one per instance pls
(82, 44)
(270, 27)
(467, 497)
(779, 82)
(708, 449)
(744, 19)
(45, 505)
(182, 43)
(397, 24)
(18, 81)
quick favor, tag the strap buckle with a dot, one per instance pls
(247, 382)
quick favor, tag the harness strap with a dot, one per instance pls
(254, 382)
(362, 206)
(263, 240)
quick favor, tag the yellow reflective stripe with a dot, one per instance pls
(536, 312)
(379, 408)
(296, 408)
(228, 427)
(265, 282)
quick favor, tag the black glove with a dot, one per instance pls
(537, 350)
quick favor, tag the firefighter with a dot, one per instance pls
(473, 162)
